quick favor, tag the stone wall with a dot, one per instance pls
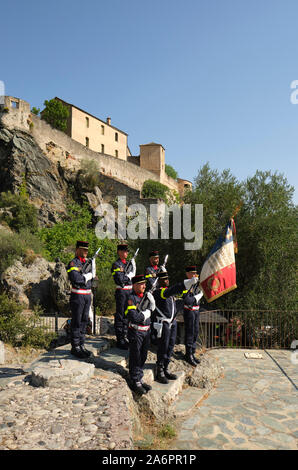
(72, 153)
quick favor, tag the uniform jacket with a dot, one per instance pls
(165, 301)
(190, 302)
(120, 278)
(75, 276)
(131, 310)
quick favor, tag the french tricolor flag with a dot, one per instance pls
(218, 274)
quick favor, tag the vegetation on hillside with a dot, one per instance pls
(266, 226)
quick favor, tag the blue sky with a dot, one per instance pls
(208, 79)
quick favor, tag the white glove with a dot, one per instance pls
(163, 269)
(93, 268)
(147, 314)
(133, 272)
(190, 282)
(134, 268)
(199, 296)
(151, 300)
(87, 277)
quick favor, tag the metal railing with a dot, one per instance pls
(260, 329)
(248, 329)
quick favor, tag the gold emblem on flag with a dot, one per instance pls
(213, 283)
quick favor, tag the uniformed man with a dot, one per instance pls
(153, 269)
(123, 283)
(80, 299)
(166, 324)
(138, 332)
(191, 313)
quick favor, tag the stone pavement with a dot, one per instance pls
(59, 403)
(227, 402)
(254, 406)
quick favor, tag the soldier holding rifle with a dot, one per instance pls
(80, 298)
(139, 306)
(122, 271)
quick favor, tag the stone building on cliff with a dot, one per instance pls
(90, 137)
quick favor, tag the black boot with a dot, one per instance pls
(168, 374)
(122, 344)
(138, 388)
(195, 359)
(85, 351)
(146, 386)
(160, 375)
(190, 359)
(77, 352)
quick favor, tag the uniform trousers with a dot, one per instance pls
(166, 343)
(79, 306)
(139, 342)
(191, 329)
(120, 322)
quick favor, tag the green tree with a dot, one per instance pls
(55, 114)
(170, 171)
(35, 111)
(266, 227)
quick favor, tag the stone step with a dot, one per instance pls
(113, 357)
(169, 392)
(158, 400)
(57, 367)
(97, 345)
(187, 401)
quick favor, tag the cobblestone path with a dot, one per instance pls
(254, 406)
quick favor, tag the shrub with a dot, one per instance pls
(12, 323)
(90, 174)
(105, 293)
(16, 245)
(20, 330)
(20, 214)
(155, 189)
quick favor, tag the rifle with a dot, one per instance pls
(129, 264)
(142, 305)
(88, 265)
(164, 263)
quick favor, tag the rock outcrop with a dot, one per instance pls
(29, 285)
(21, 159)
(60, 288)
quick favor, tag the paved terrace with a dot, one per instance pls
(254, 406)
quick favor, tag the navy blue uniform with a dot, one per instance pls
(150, 274)
(191, 313)
(138, 336)
(166, 313)
(80, 301)
(123, 288)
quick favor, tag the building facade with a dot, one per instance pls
(97, 135)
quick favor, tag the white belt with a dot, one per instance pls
(81, 291)
(124, 288)
(139, 327)
(196, 307)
